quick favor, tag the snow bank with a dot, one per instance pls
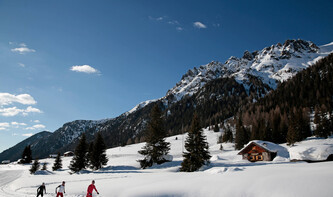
(314, 149)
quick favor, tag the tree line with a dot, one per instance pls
(85, 156)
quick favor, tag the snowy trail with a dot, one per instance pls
(6, 177)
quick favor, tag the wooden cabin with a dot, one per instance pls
(257, 151)
(53, 156)
(68, 154)
(5, 162)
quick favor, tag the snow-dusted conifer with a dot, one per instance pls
(156, 148)
(26, 155)
(98, 156)
(196, 146)
(80, 160)
(35, 166)
(57, 163)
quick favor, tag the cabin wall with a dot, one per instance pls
(266, 156)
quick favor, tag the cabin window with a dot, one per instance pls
(259, 157)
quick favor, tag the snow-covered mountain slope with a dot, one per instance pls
(271, 65)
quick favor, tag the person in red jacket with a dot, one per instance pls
(91, 188)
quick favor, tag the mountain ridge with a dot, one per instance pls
(258, 72)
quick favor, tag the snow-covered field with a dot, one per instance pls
(227, 175)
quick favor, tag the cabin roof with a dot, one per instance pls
(268, 146)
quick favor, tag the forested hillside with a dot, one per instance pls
(284, 114)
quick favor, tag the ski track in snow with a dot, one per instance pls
(6, 177)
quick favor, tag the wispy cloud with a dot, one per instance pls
(27, 134)
(179, 28)
(4, 125)
(160, 18)
(199, 25)
(18, 124)
(37, 126)
(164, 20)
(173, 22)
(25, 99)
(22, 49)
(21, 64)
(85, 69)
(13, 111)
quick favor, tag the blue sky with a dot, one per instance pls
(65, 60)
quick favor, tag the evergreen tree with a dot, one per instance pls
(90, 153)
(196, 146)
(98, 157)
(57, 163)
(80, 160)
(227, 134)
(216, 127)
(26, 155)
(323, 126)
(156, 147)
(34, 167)
(242, 136)
(293, 134)
(44, 166)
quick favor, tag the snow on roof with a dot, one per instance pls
(269, 146)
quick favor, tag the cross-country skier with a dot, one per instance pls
(41, 190)
(91, 188)
(61, 190)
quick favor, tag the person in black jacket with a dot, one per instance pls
(41, 190)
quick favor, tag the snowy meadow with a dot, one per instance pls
(227, 175)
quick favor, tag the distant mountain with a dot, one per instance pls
(215, 90)
(15, 152)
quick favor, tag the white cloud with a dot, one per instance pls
(36, 121)
(37, 126)
(25, 99)
(13, 111)
(18, 124)
(180, 29)
(199, 25)
(27, 134)
(33, 110)
(22, 49)
(4, 125)
(84, 68)
(157, 18)
(174, 22)
(21, 64)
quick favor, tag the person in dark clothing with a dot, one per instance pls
(41, 190)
